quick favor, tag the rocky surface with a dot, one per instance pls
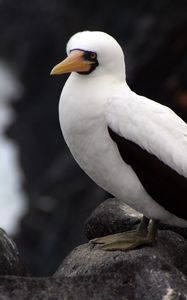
(90, 273)
(10, 262)
(158, 272)
(146, 273)
(111, 216)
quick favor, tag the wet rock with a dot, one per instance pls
(10, 263)
(145, 273)
(112, 217)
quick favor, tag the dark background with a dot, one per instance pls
(33, 36)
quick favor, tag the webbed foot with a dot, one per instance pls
(130, 239)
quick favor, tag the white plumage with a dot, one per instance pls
(92, 102)
(152, 126)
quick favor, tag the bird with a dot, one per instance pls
(131, 146)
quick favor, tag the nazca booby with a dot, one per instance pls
(131, 146)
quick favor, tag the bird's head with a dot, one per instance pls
(92, 52)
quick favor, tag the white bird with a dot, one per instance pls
(131, 146)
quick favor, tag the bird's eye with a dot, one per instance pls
(93, 55)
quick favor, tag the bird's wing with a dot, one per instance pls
(152, 139)
(152, 126)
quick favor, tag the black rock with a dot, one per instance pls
(111, 216)
(145, 273)
(89, 273)
(10, 263)
(22, 288)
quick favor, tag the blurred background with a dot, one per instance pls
(44, 196)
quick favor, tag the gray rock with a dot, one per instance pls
(111, 217)
(146, 273)
(10, 263)
(74, 288)
(89, 273)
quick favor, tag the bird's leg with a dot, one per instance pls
(143, 227)
(130, 239)
(141, 230)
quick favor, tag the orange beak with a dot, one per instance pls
(73, 63)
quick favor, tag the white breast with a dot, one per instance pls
(84, 127)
